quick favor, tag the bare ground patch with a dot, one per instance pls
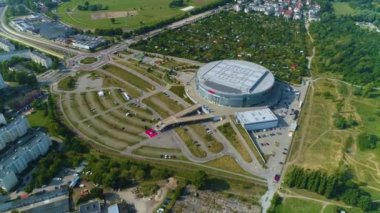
(109, 15)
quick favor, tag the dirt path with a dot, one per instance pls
(291, 194)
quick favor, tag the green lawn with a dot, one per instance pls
(299, 206)
(180, 92)
(186, 138)
(150, 72)
(343, 8)
(335, 209)
(64, 84)
(157, 152)
(88, 60)
(250, 143)
(129, 77)
(212, 144)
(146, 12)
(163, 105)
(39, 119)
(227, 163)
(230, 134)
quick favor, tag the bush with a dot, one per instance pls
(199, 179)
(367, 141)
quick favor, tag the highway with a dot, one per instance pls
(40, 44)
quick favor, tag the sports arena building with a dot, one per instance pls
(234, 83)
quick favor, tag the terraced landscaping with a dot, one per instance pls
(129, 77)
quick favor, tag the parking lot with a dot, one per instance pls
(274, 143)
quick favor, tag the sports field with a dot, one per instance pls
(128, 14)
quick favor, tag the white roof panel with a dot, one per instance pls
(256, 116)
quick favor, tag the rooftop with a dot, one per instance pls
(45, 197)
(13, 152)
(235, 76)
(40, 55)
(5, 41)
(256, 116)
(92, 206)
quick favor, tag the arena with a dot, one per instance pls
(234, 83)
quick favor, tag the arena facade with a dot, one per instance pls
(234, 83)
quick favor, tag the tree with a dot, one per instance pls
(199, 179)
(25, 78)
(113, 20)
(364, 202)
(340, 122)
(367, 141)
(177, 3)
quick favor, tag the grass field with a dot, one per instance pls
(212, 144)
(334, 209)
(249, 141)
(163, 105)
(230, 134)
(327, 147)
(108, 81)
(299, 206)
(153, 73)
(39, 119)
(129, 77)
(323, 143)
(157, 152)
(343, 9)
(64, 83)
(187, 139)
(129, 14)
(227, 163)
(88, 60)
(180, 92)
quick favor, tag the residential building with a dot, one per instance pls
(41, 59)
(2, 120)
(18, 53)
(8, 180)
(34, 56)
(13, 130)
(56, 201)
(16, 159)
(92, 206)
(118, 208)
(6, 45)
(2, 82)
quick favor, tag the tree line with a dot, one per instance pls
(92, 7)
(339, 186)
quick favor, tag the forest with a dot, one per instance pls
(347, 50)
(273, 42)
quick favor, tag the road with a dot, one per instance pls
(33, 41)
